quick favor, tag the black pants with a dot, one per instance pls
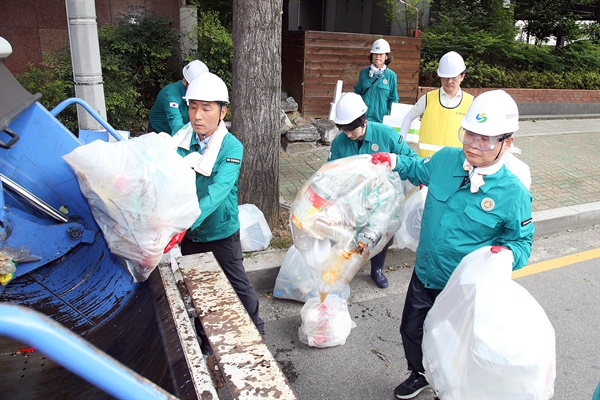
(228, 253)
(419, 301)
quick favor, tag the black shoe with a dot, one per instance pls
(411, 387)
(206, 348)
(379, 278)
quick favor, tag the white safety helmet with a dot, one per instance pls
(451, 65)
(380, 46)
(193, 70)
(492, 113)
(5, 48)
(207, 87)
(349, 107)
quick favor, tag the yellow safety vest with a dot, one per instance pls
(439, 125)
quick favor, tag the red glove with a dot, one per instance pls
(382, 158)
(174, 240)
(498, 249)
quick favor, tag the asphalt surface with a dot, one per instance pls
(564, 158)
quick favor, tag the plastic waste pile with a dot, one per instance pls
(486, 336)
(141, 193)
(325, 324)
(294, 280)
(343, 215)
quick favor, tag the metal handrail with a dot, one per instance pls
(75, 354)
(75, 100)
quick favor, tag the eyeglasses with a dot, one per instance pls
(483, 143)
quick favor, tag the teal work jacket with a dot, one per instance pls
(377, 93)
(170, 111)
(217, 193)
(378, 138)
(456, 222)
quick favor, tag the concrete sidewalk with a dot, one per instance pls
(563, 156)
(564, 159)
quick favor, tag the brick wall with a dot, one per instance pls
(33, 27)
(545, 101)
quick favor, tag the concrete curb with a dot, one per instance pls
(564, 218)
(263, 266)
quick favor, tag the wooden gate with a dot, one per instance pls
(313, 62)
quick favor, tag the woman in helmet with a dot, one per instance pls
(473, 201)
(442, 109)
(216, 156)
(377, 84)
(362, 136)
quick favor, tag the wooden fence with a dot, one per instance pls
(313, 62)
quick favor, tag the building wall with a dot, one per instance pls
(33, 27)
(545, 101)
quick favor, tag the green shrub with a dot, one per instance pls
(215, 46)
(54, 80)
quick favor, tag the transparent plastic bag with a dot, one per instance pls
(486, 336)
(255, 233)
(325, 324)
(343, 216)
(407, 237)
(295, 282)
(141, 194)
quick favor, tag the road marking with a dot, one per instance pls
(556, 263)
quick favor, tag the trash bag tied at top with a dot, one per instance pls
(343, 216)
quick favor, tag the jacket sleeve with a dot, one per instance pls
(393, 97)
(417, 170)
(228, 167)
(174, 117)
(358, 88)
(518, 232)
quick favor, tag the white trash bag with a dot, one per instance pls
(325, 324)
(486, 337)
(294, 280)
(141, 194)
(409, 233)
(255, 233)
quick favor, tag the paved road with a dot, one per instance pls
(372, 363)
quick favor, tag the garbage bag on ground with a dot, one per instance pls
(295, 282)
(407, 237)
(325, 324)
(344, 215)
(486, 337)
(255, 233)
(141, 194)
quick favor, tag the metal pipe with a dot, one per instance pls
(74, 100)
(85, 56)
(75, 354)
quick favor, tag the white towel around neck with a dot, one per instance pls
(202, 163)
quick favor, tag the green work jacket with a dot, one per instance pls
(217, 193)
(456, 222)
(378, 138)
(377, 93)
(170, 111)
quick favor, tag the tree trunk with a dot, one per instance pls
(256, 101)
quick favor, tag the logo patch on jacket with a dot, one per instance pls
(233, 160)
(487, 204)
(173, 105)
(526, 222)
(374, 147)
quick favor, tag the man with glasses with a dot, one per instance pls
(442, 109)
(361, 136)
(473, 201)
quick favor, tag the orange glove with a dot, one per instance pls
(174, 240)
(498, 249)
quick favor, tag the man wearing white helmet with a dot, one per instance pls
(365, 137)
(473, 201)
(442, 109)
(216, 156)
(170, 112)
(377, 84)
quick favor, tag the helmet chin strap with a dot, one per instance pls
(500, 151)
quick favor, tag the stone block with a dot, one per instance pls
(289, 105)
(303, 133)
(327, 130)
